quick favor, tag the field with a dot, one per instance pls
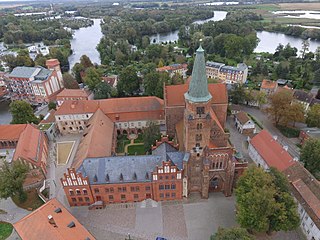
(64, 150)
(300, 6)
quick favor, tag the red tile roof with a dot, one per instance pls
(11, 132)
(28, 146)
(268, 84)
(242, 117)
(172, 67)
(308, 196)
(174, 94)
(36, 225)
(118, 109)
(97, 140)
(72, 93)
(271, 151)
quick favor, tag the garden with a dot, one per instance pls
(133, 146)
(5, 230)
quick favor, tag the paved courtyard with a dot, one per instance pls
(193, 219)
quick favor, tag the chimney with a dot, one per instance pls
(275, 137)
(285, 148)
(51, 221)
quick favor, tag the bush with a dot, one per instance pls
(289, 132)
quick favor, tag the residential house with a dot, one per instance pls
(304, 98)
(73, 94)
(52, 221)
(173, 69)
(266, 152)
(309, 133)
(268, 87)
(234, 108)
(227, 74)
(306, 190)
(35, 84)
(244, 124)
(112, 80)
(48, 125)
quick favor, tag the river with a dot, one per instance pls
(84, 42)
(5, 115)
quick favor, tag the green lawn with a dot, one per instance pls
(139, 149)
(139, 139)
(5, 230)
(122, 141)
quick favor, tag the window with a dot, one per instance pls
(137, 189)
(311, 224)
(71, 192)
(96, 190)
(173, 186)
(73, 199)
(173, 195)
(167, 186)
(160, 177)
(167, 177)
(80, 199)
(199, 126)
(167, 195)
(147, 188)
(132, 189)
(198, 137)
(135, 196)
(119, 189)
(161, 187)
(123, 197)
(111, 189)
(124, 189)
(172, 177)
(161, 195)
(98, 198)
(78, 192)
(110, 197)
(200, 110)
(106, 190)
(87, 199)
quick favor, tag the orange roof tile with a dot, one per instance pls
(271, 151)
(175, 94)
(214, 117)
(308, 196)
(72, 93)
(268, 84)
(28, 146)
(97, 141)
(11, 132)
(50, 117)
(37, 224)
(118, 109)
(242, 117)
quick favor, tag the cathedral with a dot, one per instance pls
(199, 159)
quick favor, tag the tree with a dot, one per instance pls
(69, 81)
(128, 81)
(316, 78)
(304, 48)
(238, 95)
(310, 156)
(92, 78)
(86, 62)
(313, 116)
(78, 70)
(52, 105)
(150, 135)
(11, 180)
(264, 203)
(102, 90)
(295, 113)
(22, 112)
(235, 233)
(279, 105)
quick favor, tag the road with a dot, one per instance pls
(268, 125)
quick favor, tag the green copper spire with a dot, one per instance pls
(198, 87)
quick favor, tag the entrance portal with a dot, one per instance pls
(214, 185)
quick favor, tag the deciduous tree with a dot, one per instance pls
(92, 78)
(102, 90)
(150, 135)
(279, 105)
(52, 105)
(310, 156)
(22, 112)
(313, 116)
(128, 82)
(235, 233)
(11, 180)
(264, 203)
(69, 81)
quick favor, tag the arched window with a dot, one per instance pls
(199, 126)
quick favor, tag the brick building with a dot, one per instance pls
(200, 160)
(180, 69)
(268, 87)
(35, 84)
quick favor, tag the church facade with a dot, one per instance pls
(200, 159)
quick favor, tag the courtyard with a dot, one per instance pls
(193, 218)
(131, 144)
